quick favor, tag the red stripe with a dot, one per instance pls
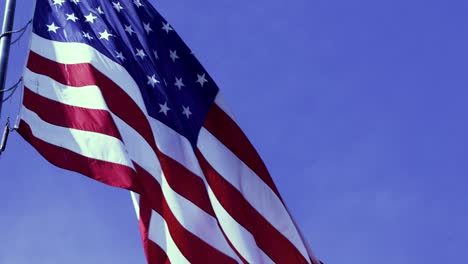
(179, 178)
(186, 183)
(53, 112)
(84, 74)
(191, 246)
(121, 176)
(192, 188)
(229, 133)
(272, 242)
(154, 253)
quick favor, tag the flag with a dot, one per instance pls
(113, 93)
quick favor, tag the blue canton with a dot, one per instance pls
(175, 87)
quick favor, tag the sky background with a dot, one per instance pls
(359, 109)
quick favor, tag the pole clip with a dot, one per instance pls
(6, 133)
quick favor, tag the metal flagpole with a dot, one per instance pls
(5, 42)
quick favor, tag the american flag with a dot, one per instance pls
(113, 93)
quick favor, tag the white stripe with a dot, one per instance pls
(89, 144)
(168, 141)
(136, 203)
(219, 100)
(189, 215)
(69, 53)
(158, 230)
(137, 148)
(175, 146)
(72, 53)
(179, 148)
(196, 221)
(254, 190)
(240, 238)
(159, 234)
(87, 97)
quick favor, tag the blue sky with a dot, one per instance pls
(359, 109)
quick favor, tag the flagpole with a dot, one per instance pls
(5, 43)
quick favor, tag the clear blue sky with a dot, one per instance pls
(359, 109)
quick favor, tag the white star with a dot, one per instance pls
(152, 80)
(167, 27)
(58, 2)
(75, 1)
(147, 27)
(137, 3)
(72, 17)
(186, 111)
(105, 35)
(120, 56)
(129, 29)
(90, 18)
(117, 6)
(173, 55)
(179, 83)
(164, 108)
(99, 10)
(86, 35)
(140, 53)
(201, 79)
(52, 27)
(156, 56)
